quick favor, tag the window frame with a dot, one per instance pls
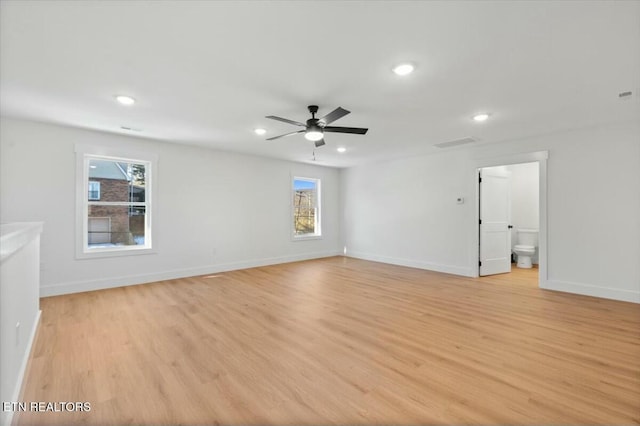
(317, 235)
(85, 153)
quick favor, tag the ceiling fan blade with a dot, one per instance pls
(334, 115)
(356, 130)
(319, 143)
(286, 120)
(286, 134)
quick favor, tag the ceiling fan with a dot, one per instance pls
(316, 127)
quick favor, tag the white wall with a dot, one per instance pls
(215, 210)
(19, 306)
(404, 211)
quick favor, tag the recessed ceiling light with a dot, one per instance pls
(92, 166)
(125, 100)
(341, 149)
(260, 131)
(481, 117)
(403, 69)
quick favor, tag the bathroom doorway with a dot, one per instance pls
(511, 217)
(509, 220)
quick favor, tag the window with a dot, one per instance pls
(114, 211)
(306, 208)
(94, 190)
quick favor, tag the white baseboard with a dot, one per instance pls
(447, 269)
(23, 368)
(104, 283)
(591, 290)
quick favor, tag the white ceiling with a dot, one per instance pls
(207, 73)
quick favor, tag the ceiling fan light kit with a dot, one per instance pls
(315, 128)
(313, 133)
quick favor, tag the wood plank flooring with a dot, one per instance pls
(337, 341)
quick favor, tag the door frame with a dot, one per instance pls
(539, 157)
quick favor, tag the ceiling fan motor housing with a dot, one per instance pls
(313, 122)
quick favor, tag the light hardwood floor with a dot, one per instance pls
(337, 341)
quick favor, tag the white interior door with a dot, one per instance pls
(495, 218)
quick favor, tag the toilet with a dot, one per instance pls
(526, 247)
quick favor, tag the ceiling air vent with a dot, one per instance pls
(457, 142)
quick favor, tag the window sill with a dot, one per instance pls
(114, 252)
(307, 237)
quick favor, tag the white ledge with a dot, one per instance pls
(14, 236)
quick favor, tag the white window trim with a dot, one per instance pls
(318, 234)
(83, 154)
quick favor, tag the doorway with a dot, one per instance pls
(509, 218)
(512, 197)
